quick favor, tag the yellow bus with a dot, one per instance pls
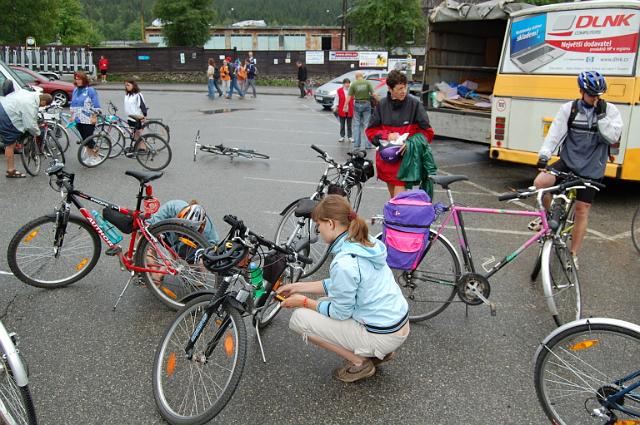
(545, 49)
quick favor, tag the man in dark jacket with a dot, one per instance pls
(302, 77)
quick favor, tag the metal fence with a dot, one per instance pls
(64, 60)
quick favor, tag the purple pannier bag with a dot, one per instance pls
(405, 232)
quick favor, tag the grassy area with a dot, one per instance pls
(196, 78)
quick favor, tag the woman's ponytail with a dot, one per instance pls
(337, 208)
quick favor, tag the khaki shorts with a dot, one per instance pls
(348, 334)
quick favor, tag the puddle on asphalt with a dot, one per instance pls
(224, 110)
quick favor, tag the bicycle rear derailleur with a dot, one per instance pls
(474, 289)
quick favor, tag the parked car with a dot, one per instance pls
(9, 80)
(60, 90)
(50, 75)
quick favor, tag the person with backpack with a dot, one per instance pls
(583, 131)
(363, 316)
(233, 83)
(252, 71)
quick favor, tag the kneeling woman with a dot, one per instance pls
(363, 317)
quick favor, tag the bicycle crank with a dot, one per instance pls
(474, 289)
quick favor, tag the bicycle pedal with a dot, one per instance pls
(111, 252)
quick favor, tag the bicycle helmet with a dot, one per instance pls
(390, 152)
(224, 256)
(196, 213)
(592, 82)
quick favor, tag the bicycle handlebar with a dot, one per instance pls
(239, 225)
(575, 183)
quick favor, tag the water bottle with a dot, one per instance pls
(255, 275)
(108, 228)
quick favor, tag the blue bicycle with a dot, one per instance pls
(588, 372)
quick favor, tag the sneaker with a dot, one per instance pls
(376, 361)
(342, 140)
(350, 139)
(352, 373)
(535, 225)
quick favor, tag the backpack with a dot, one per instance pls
(405, 229)
(216, 73)
(242, 73)
(614, 148)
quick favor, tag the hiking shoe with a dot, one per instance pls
(535, 225)
(352, 373)
(376, 361)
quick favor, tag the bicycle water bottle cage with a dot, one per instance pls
(305, 208)
(223, 257)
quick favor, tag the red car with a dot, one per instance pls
(60, 90)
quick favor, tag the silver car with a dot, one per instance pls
(326, 92)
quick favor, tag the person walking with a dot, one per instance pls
(19, 116)
(216, 79)
(103, 66)
(211, 79)
(583, 131)
(84, 101)
(361, 91)
(363, 316)
(242, 77)
(302, 78)
(224, 74)
(344, 110)
(251, 76)
(233, 83)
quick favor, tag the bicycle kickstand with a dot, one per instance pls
(264, 359)
(133, 275)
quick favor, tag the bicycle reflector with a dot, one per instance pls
(151, 204)
(583, 345)
(81, 264)
(31, 235)
(171, 364)
(229, 344)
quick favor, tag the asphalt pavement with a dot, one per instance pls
(90, 365)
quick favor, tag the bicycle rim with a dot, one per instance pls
(53, 149)
(431, 287)
(580, 365)
(30, 157)
(193, 391)
(61, 135)
(16, 406)
(117, 139)
(635, 229)
(159, 128)
(153, 152)
(565, 287)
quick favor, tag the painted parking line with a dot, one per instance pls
(276, 130)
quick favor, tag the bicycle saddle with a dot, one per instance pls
(304, 208)
(144, 177)
(445, 181)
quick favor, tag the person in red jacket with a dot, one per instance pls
(103, 66)
(396, 114)
(344, 111)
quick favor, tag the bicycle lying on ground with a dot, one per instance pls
(440, 274)
(200, 359)
(225, 150)
(297, 230)
(16, 405)
(61, 248)
(35, 149)
(588, 372)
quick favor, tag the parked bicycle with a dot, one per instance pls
(635, 229)
(52, 115)
(61, 248)
(225, 150)
(588, 371)
(297, 230)
(440, 275)
(16, 404)
(35, 150)
(200, 359)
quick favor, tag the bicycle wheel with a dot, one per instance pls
(53, 150)
(193, 391)
(354, 195)
(34, 259)
(117, 136)
(536, 267)
(16, 405)
(62, 136)
(30, 156)
(579, 370)
(92, 157)
(302, 235)
(635, 229)
(272, 305)
(157, 127)
(178, 245)
(248, 153)
(560, 281)
(196, 148)
(431, 287)
(153, 153)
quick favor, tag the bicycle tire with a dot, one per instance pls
(635, 229)
(560, 281)
(117, 136)
(53, 148)
(79, 240)
(156, 153)
(62, 136)
(30, 157)
(16, 403)
(536, 266)
(248, 153)
(157, 127)
(169, 366)
(435, 278)
(196, 148)
(191, 278)
(579, 364)
(102, 146)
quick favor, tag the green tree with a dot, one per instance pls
(186, 22)
(386, 23)
(20, 19)
(72, 27)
